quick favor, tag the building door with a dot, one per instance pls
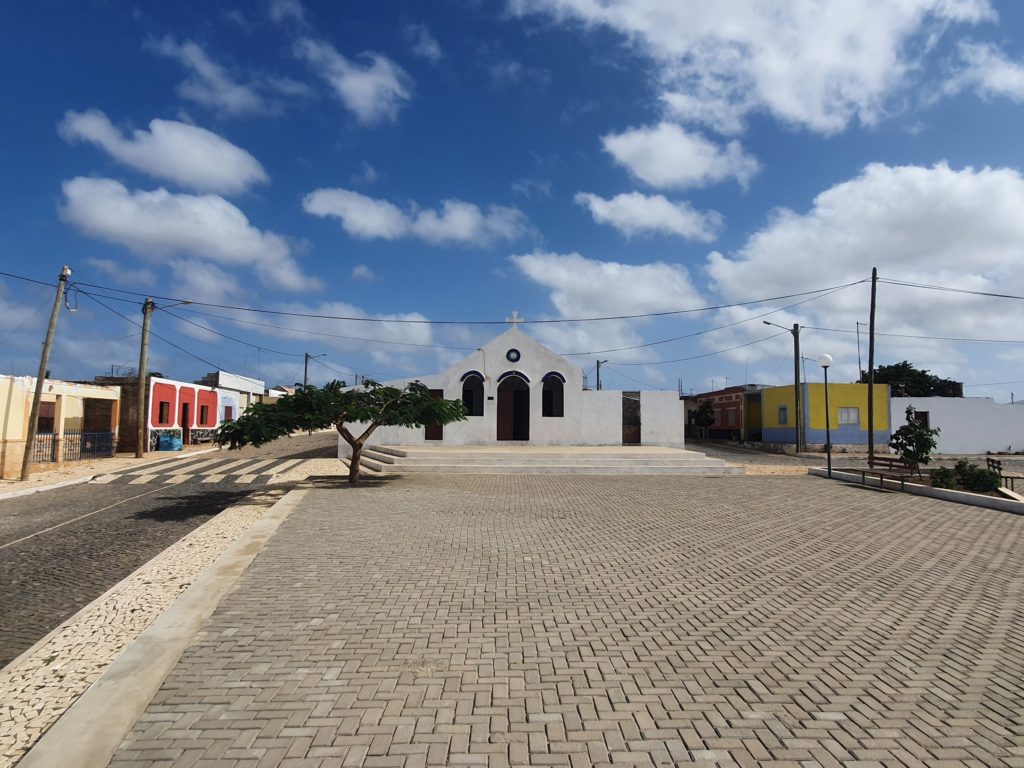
(513, 409)
(631, 418)
(186, 433)
(434, 431)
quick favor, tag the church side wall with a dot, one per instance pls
(601, 418)
(662, 419)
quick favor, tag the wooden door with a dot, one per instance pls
(434, 431)
(631, 418)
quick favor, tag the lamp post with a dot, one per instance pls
(148, 307)
(825, 361)
(795, 330)
(599, 363)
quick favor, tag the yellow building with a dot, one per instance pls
(848, 414)
(76, 421)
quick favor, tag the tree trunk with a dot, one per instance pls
(353, 467)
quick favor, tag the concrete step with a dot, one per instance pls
(610, 461)
(578, 469)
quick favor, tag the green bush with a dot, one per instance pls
(943, 477)
(971, 477)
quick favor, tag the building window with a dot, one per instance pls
(204, 415)
(229, 412)
(164, 416)
(849, 415)
(730, 418)
(553, 396)
(473, 395)
(783, 414)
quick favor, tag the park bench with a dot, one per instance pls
(895, 465)
(1008, 478)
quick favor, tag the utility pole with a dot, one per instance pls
(860, 366)
(141, 435)
(871, 369)
(799, 395)
(33, 416)
(305, 367)
(599, 372)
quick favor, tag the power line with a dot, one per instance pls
(914, 336)
(231, 338)
(706, 354)
(626, 375)
(949, 289)
(165, 341)
(478, 322)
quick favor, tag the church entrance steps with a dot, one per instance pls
(546, 459)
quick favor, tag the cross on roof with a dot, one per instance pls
(515, 319)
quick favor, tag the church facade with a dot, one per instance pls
(517, 391)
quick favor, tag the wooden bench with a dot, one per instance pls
(1008, 478)
(895, 464)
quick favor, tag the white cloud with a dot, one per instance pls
(122, 274)
(457, 222)
(666, 156)
(932, 225)
(364, 273)
(163, 224)
(287, 11)
(424, 45)
(374, 91)
(582, 287)
(814, 64)
(639, 214)
(989, 71)
(185, 154)
(368, 175)
(210, 84)
(363, 217)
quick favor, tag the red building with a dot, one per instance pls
(181, 409)
(732, 419)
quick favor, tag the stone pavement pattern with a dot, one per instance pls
(554, 620)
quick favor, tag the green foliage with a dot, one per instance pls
(909, 381)
(312, 408)
(971, 477)
(704, 416)
(943, 477)
(914, 442)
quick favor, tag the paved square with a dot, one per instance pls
(593, 620)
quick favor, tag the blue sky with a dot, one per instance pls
(456, 161)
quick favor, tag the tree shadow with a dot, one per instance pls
(205, 504)
(341, 481)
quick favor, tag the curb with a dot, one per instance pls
(945, 494)
(92, 729)
(87, 478)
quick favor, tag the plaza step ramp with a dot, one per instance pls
(576, 460)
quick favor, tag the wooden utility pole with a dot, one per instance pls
(33, 415)
(599, 372)
(141, 434)
(871, 370)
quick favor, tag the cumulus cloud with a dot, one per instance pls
(816, 65)
(161, 224)
(582, 287)
(639, 214)
(122, 274)
(666, 156)
(989, 71)
(287, 11)
(210, 84)
(374, 91)
(933, 225)
(424, 45)
(185, 154)
(370, 218)
(364, 273)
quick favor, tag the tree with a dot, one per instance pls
(704, 416)
(914, 442)
(312, 408)
(909, 381)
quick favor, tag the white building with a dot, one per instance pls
(966, 424)
(518, 391)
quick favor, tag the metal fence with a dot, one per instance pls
(44, 448)
(88, 445)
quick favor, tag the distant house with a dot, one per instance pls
(848, 414)
(76, 421)
(236, 392)
(966, 424)
(737, 415)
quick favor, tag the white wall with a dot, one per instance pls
(967, 424)
(662, 419)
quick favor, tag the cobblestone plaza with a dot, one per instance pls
(557, 620)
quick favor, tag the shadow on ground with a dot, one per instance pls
(204, 504)
(341, 481)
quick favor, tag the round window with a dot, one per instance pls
(512, 355)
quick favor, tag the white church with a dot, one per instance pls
(519, 392)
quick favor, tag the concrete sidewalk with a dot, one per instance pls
(568, 620)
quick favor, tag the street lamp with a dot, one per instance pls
(795, 330)
(825, 361)
(148, 307)
(599, 364)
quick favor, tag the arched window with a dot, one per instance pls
(473, 393)
(553, 394)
